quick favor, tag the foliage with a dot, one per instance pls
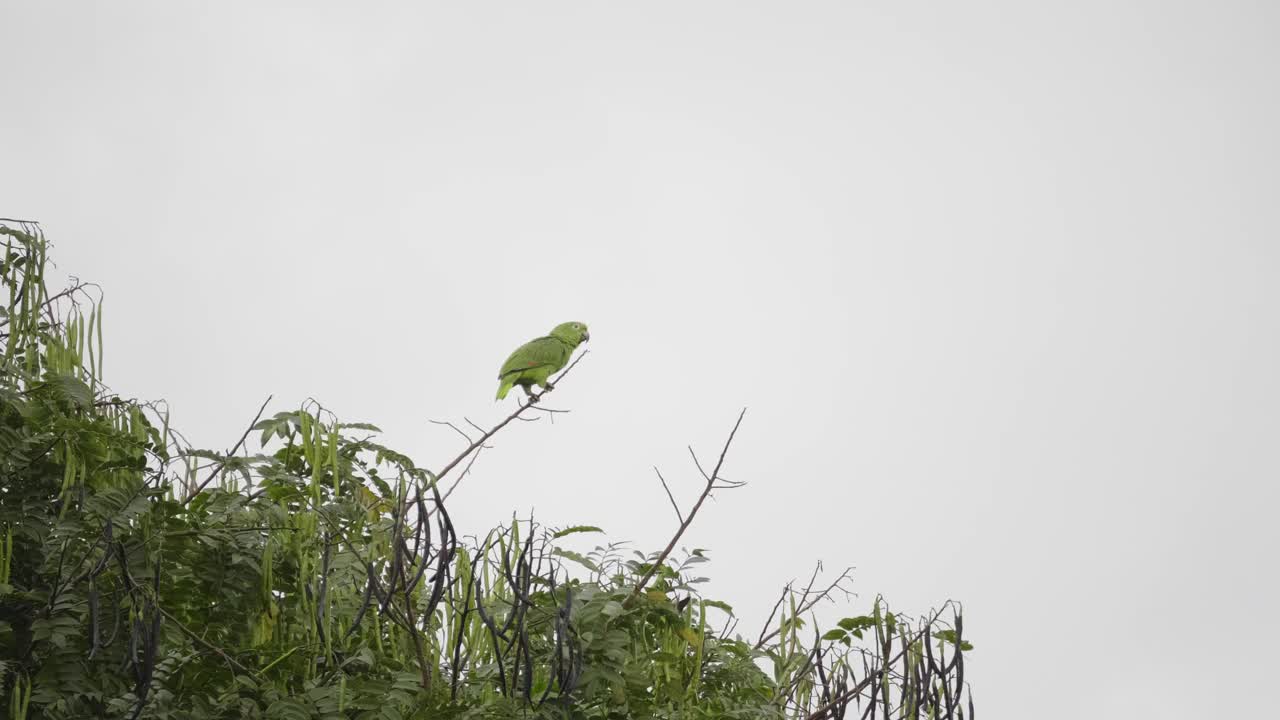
(323, 578)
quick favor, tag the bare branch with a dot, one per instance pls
(204, 643)
(807, 603)
(455, 428)
(697, 464)
(465, 471)
(233, 451)
(479, 442)
(674, 506)
(711, 483)
(773, 613)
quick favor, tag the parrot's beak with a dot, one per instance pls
(586, 336)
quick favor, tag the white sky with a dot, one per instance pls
(997, 281)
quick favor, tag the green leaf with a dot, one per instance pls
(576, 529)
(71, 389)
(581, 560)
(857, 623)
(835, 634)
(718, 604)
(949, 636)
(286, 709)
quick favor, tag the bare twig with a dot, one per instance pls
(47, 308)
(552, 411)
(725, 483)
(453, 427)
(204, 643)
(479, 442)
(233, 451)
(684, 525)
(773, 613)
(674, 506)
(465, 472)
(807, 603)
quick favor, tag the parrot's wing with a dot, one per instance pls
(543, 352)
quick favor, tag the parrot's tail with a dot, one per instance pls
(506, 385)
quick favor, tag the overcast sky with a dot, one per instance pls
(997, 282)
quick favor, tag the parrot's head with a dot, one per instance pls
(573, 333)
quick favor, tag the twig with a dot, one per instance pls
(530, 402)
(684, 525)
(669, 496)
(726, 483)
(772, 613)
(453, 427)
(465, 471)
(233, 451)
(806, 604)
(47, 306)
(552, 411)
(819, 597)
(205, 643)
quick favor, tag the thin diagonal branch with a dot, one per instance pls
(204, 643)
(453, 427)
(807, 603)
(711, 483)
(674, 506)
(233, 451)
(479, 442)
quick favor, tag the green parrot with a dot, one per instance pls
(533, 362)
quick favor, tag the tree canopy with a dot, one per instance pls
(322, 576)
